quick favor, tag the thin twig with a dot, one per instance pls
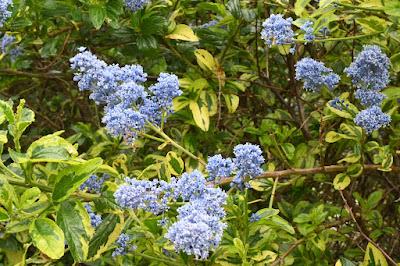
(310, 171)
(362, 232)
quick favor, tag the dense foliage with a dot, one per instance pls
(137, 132)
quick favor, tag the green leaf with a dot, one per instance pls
(200, 115)
(106, 234)
(280, 223)
(239, 246)
(3, 215)
(97, 15)
(374, 198)
(392, 8)
(289, 150)
(72, 177)
(333, 136)
(205, 60)
(341, 181)
(300, 6)
(51, 148)
(342, 113)
(183, 32)
(374, 256)
(7, 109)
(175, 163)
(29, 197)
(232, 102)
(75, 222)
(47, 237)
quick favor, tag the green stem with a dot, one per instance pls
(160, 132)
(152, 137)
(271, 200)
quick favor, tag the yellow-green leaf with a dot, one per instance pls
(205, 60)
(175, 163)
(232, 102)
(47, 237)
(183, 32)
(341, 181)
(200, 115)
(75, 222)
(374, 256)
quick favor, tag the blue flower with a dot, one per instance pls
(95, 219)
(248, 160)
(369, 97)
(219, 167)
(4, 12)
(315, 75)
(101, 79)
(124, 122)
(195, 236)
(199, 228)
(370, 69)
(165, 90)
(338, 103)
(129, 106)
(190, 185)
(211, 201)
(254, 217)
(94, 183)
(277, 30)
(135, 5)
(209, 24)
(123, 245)
(307, 27)
(372, 119)
(151, 196)
(6, 41)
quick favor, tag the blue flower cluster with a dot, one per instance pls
(190, 185)
(135, 5)
(123, 245)
(94, 183)
(277, 30)
(6, 41)
(247, 163)
(370, 74)
(372, 119)
(315, 75)
(95, 219)
(4, 12)
(128, 104)
(7, 47)
(219, 167)
(308, 29)
(369, 97)
(150, 195)
(370, 69)
(199, 228)
(338, 103)
(248, 160)
(209, 24)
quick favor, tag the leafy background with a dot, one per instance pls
(236, 90)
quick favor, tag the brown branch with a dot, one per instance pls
(280, 260)
(11, 72)
(362, 232)
(310, 171)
